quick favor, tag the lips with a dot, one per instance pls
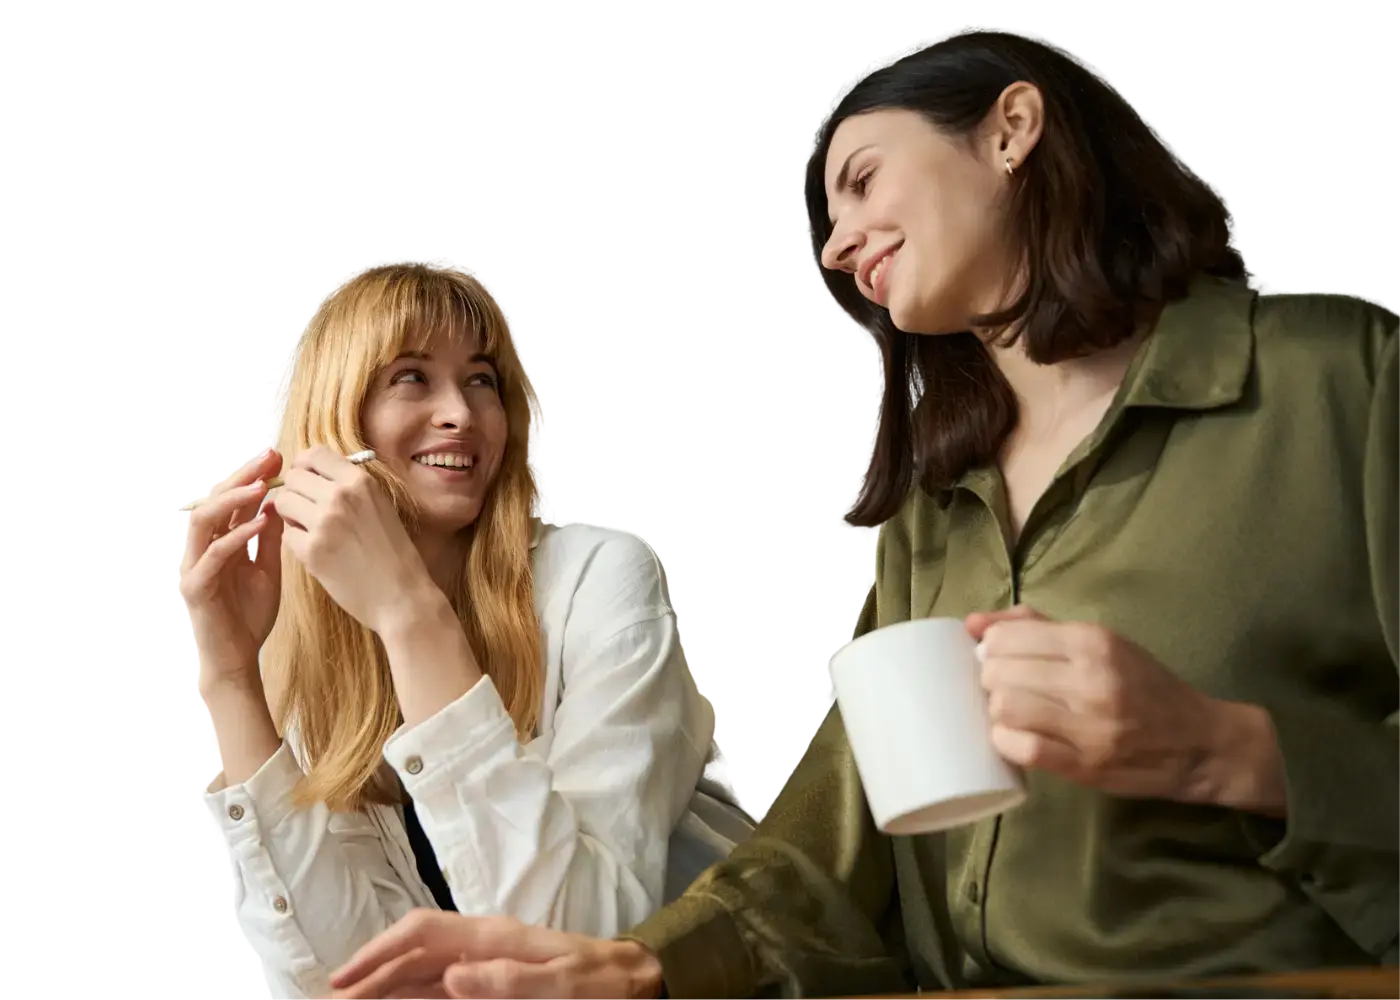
(874, 273)
(448, 474)
(877, 274)
(448, 465)
(446, 460)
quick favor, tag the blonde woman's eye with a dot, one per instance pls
(405, 376)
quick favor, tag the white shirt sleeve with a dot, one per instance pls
(571, 831)
(573, 834)
(310, 886)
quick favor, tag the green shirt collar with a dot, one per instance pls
(1197, 358)
(1200, 353)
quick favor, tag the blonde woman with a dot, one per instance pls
(471, 710)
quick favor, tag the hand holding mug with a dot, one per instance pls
(1078, 700)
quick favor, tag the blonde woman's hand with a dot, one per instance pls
(232, 599)
(430, 953)
(342, 526)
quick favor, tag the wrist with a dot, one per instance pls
(420, 610)
(223, 685)
(644, 971)
(1241, 767)
(430, 660)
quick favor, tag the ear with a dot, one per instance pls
(1014, 124)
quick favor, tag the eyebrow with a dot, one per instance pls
(476, 359)
(843, 175)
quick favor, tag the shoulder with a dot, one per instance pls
(602, 570)
(1333, 336)
(910, 553)
(920, 526)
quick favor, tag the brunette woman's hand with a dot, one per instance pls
(232, 598)
(1081, 701)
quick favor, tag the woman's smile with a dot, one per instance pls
(452, 467)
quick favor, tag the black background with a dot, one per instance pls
(637, 203)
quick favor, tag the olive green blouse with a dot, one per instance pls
(1235, 514)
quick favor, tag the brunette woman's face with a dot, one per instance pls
(918, 216)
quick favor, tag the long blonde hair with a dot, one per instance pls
(329, 673)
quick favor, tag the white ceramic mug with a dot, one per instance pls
(915, 713)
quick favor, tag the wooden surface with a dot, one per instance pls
(1373, 981)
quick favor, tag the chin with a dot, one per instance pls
(922, 319)
(450, 519)
(907, 320)
(901, 322)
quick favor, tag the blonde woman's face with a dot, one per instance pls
(435, 417)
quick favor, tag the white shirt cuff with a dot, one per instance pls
(462, 735)
(263, 801)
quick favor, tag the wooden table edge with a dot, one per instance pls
(1362, 982)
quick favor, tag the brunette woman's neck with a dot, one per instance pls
(1048, 394)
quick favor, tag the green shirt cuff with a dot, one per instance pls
(699, 947)
(1341, 841)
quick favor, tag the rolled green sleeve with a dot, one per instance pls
(1341, 841)
(799, 908)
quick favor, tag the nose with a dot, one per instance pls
(842, 248)
(451, 411)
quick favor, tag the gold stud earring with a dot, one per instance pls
(1010, 169)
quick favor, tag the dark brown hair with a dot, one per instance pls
(1111, 225)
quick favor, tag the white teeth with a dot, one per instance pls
(875, 271)
(449, 461)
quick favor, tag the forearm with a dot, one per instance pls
(1242, 766)
(311, 886)
(243, 726)
(1338, 844)
(553, 843)
(431, 662)
(804, 905)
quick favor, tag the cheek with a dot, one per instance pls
(386, 425)
(372, 426)
(956, 238)
(494, 431)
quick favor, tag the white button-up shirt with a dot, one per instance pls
(589, 827)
